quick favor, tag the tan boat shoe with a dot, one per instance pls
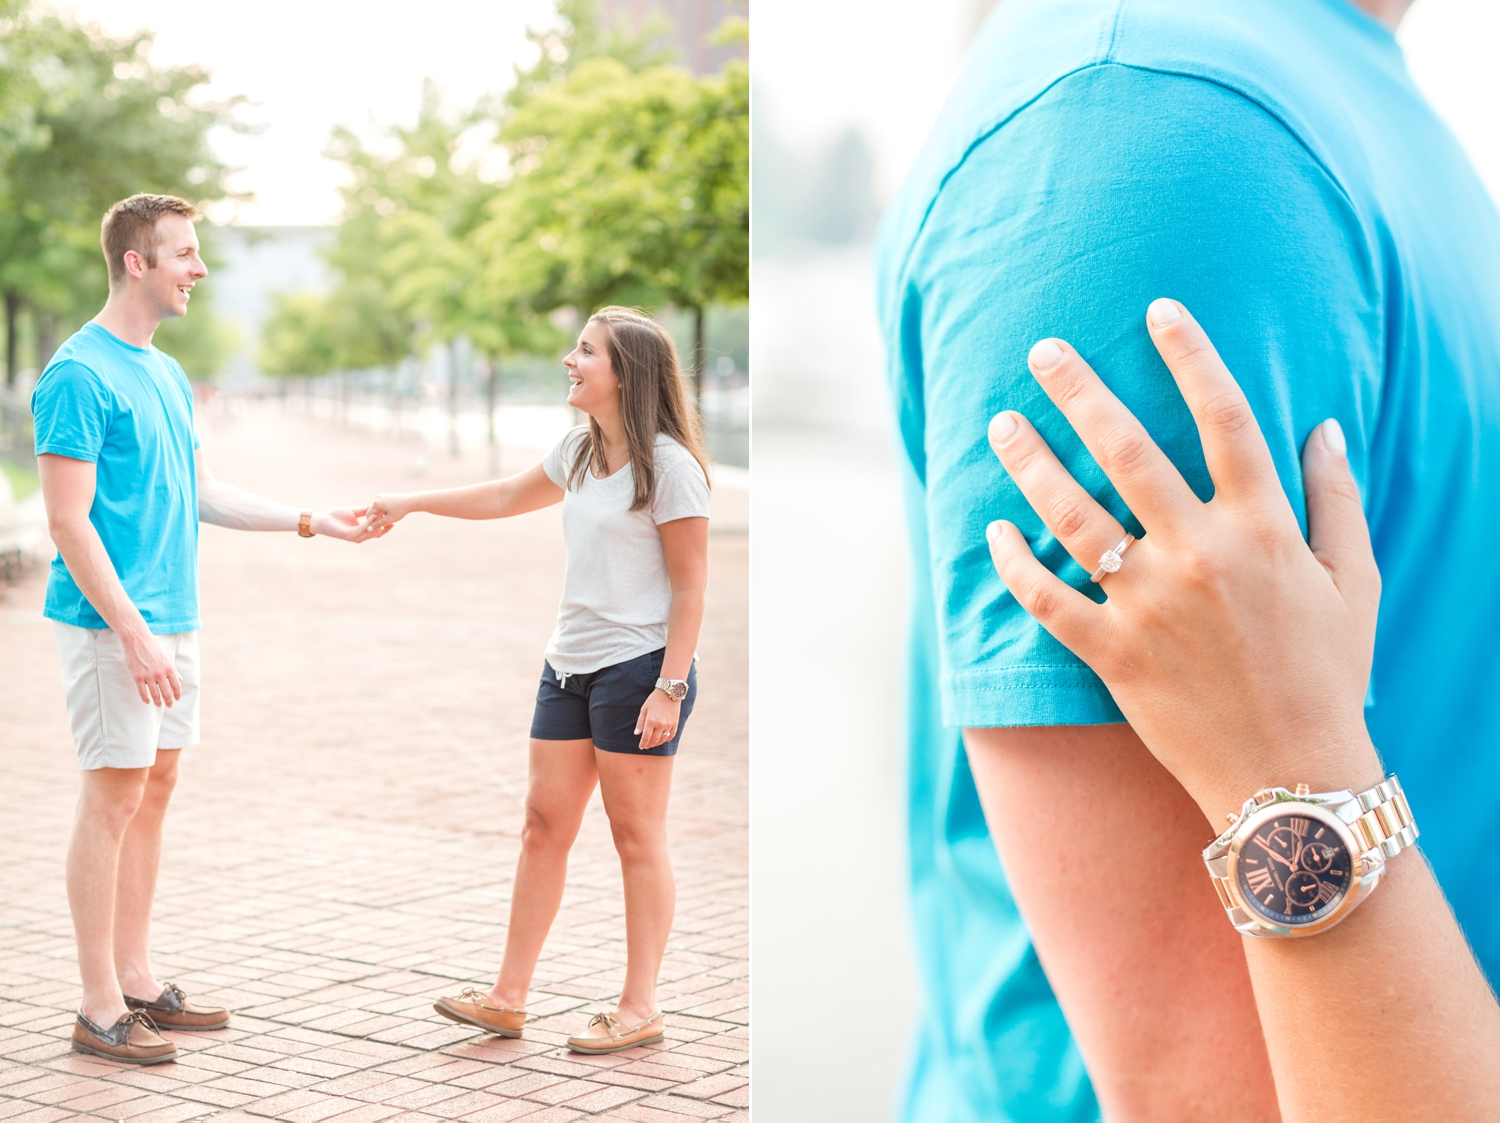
(133, 1040)
(474, 1007)
(172, 1010)
(605, 1034)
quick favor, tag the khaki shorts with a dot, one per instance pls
(112, 727)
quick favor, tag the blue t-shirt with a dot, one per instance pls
(128, 410)
(1270, 164)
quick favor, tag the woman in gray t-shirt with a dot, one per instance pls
(618, 682)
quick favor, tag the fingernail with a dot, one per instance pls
(1333, 437)
(1163, 313)
(1045, 355)
(1002, 428)
(992, 532)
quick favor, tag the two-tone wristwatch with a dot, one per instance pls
(673, 688)
(1295, 863)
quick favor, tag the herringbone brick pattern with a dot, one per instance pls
(340, 849)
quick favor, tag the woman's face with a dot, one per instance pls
(594, 385)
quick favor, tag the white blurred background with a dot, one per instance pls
(843, 95)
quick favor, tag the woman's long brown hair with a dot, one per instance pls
(653, 399)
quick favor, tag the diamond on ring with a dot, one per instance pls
(1111, 560)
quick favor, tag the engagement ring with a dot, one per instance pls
(1109, 561)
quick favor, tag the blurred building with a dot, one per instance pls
(694, 22)
(255, 262)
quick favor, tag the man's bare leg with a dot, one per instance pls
(140, 857)
(561, 779)
(1101, 847)
(107, 802)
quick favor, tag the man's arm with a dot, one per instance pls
(1260, 646)
(1101, 849)
(226, 505)
(1115, 187)
(68, 494)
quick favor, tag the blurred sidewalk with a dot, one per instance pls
(341, 846)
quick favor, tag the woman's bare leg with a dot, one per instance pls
(635, 791)
(560, 779)
(1101, 847)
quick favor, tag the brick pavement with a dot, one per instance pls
(340, 849)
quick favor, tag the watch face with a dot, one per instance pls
(1293, 869)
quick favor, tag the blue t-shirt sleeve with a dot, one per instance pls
(1117, 186)
(71, 410)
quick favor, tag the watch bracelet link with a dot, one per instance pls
(1387, 824)
(1384, 826)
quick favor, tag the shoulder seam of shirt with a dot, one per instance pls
(1099, 64)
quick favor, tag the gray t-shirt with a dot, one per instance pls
(616, 594)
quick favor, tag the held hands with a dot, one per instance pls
(657, 722)
(1238, 653)
(342, 523)
(384, 512)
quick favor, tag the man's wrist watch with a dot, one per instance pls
(304, 525)
(673, 688)
(1295, 863)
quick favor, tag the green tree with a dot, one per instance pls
(628, 186)
(97, 122)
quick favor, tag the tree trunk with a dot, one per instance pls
(698, 356)
(491, 396)
(46, 338)
(12, 311)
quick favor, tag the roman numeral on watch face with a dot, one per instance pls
(1258, 880)
(1299, 827)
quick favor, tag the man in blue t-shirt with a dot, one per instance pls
(1270, 164)
(125, 486)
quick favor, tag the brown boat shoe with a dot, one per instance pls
(605, 1034)
(133, 1039)
(474, 1007)
(172, 1010)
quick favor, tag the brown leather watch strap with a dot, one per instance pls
(304, 525)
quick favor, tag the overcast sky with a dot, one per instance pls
(313, 64)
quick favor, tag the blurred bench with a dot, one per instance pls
(23, 530)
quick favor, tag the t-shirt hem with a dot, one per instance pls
(98, 623)
(1027, 696)
(588, 666)
(72, 452)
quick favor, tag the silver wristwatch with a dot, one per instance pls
(1295, 863)
(673, 688)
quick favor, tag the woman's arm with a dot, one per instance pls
(684, 544)
(495, 499)
(1240, 657)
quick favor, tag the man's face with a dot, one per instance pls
(178, 267)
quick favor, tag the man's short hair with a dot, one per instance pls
(131, 225)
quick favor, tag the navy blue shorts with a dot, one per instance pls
(603, 705)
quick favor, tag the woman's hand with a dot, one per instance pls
(1237, 653)
(657, 723)
(384, 512)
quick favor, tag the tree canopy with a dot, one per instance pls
(605, 175)
(87, 119)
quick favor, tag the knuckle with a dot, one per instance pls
(1124, 450)
(1227, 414)
(1200, 566)
(1021, 456)
(1042, 602)
(1069, 517)
(1067, 385)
